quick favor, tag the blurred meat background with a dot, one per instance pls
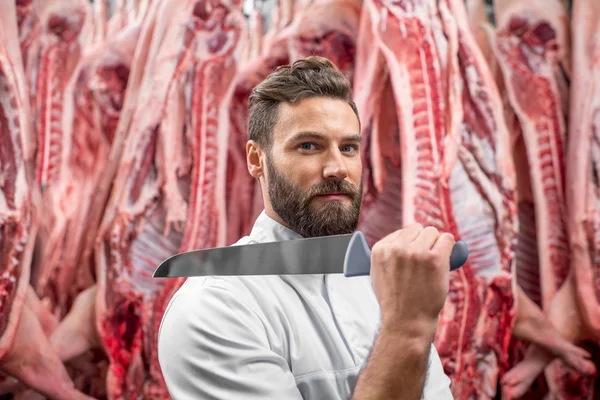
(122, 133)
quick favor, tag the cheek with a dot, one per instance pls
(304, 172)
(355, 170)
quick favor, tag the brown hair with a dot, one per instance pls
(313, 76)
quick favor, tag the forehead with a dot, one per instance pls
(329, 117)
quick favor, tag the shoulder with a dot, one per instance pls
(437, 383)
(206, 317)
(200, 298)
(214, 302)
(205, 302)
(197, 290)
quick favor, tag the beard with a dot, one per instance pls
(296, 208)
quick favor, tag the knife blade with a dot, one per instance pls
(348, 254)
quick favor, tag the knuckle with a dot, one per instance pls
(414, 255)
(398, 251)
(435, 259)
(423, 257)
(378, 251)
(382, 251)
(428, 258)
(377, 247)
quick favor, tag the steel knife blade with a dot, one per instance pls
(348, 254)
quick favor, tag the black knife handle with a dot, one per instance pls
(459, 255)
(358, 256)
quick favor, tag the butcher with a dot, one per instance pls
(311, 337)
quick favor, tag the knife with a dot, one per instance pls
(348, 254)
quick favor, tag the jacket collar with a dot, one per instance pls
(266, 229)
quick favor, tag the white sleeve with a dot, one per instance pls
(437, 383)
(211, 346)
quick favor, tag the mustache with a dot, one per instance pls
(328, 187)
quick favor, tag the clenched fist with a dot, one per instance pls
(410, 274)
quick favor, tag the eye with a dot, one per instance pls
(307, 146)
(350, 148)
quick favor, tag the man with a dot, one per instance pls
(321, 337)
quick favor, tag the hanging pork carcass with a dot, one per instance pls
(530, 44)
(532, 47)
(168, 191)
(92, 103)
(87, 316)
(583, 163)
(63, 34)
(574, 307)
(437, 153)
(78, 104)
(583, 195)
(473, 163)
(25, 351)
(109, 111)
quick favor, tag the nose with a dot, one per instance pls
(335, 166)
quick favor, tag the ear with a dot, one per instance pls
(254, 159)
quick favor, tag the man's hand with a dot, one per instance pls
(410, 274)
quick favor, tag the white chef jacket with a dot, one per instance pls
(273, 337)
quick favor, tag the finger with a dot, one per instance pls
(581, 352)
(426, 238)
(393, 237)
(444, 245)
(409, 233)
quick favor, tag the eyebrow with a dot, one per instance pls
(316, 135)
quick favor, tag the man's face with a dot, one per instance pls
(314, 167)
